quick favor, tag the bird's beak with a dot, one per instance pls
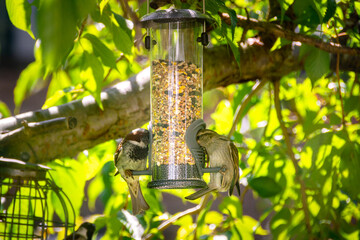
(117, 172)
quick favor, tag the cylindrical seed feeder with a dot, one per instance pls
(175, 40)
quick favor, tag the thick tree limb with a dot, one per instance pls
(127, 104)
(279, 31)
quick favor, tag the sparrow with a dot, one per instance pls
(84, 232)
(131, 154)
(221, 152)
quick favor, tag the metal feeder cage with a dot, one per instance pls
(175, 39)
(24, 211)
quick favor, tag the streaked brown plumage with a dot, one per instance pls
(131, 154)
(221, 152)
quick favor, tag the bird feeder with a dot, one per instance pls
(175, 39)
(24, 193)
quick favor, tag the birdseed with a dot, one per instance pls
(176, 102)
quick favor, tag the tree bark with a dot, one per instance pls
(127, 104)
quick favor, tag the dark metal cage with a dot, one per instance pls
(24, 209)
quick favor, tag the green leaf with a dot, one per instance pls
(102, 51)
(214, 6)
(265, 186)
(235, 50)
(330, 10)
(26, 83)
(307, 13)
(350, 168)
(57, 40)
(56, 99)
(317, 62)
(123, 41)
(57, 26)
(102, 5)
(280, 222)
(92, 73)
(20, 14)
(4, 110)
(124, 24)
(222, 117)
(231, 206)
(280, 42)
(69, 173)
(60, 81)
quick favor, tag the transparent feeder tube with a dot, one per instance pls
(176, 101)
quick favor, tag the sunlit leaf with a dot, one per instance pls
(350, 167)
(122, 39)
(214, 6)
(280, 222)
(4, 110)
(27, 83)
(231, 205)
(317, 62)
(20, 14)
(63, 16)
(102, 51)
(93, 74)
(57, 41)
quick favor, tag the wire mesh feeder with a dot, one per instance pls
(24, 210)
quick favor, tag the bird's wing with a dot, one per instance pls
(119, 150)
(235, 161)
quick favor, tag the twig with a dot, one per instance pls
(305, 206)
(338, 80)
(242, 196)
(110, 70)
(269, 112)
(82, 28)
(191, 211)
(245, 29)
(279, 31)
(240, 109)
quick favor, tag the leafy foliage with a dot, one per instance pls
(304, 181)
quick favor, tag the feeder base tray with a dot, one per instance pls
(176, 184)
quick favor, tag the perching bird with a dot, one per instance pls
(131, 154)
(84, 232)
(221, 152)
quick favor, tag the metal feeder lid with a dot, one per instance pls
(16, 168)
(174, 15)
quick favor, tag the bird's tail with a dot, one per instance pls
(138, 201)
(200, 193)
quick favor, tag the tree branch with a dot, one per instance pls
(240, 109)
(127, 104)
(305, 206)
(191, 211)
(279, 31)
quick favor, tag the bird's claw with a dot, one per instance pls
(223, 170)
(128, 173)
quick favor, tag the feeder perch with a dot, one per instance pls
(24, 191)
(175, 40)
